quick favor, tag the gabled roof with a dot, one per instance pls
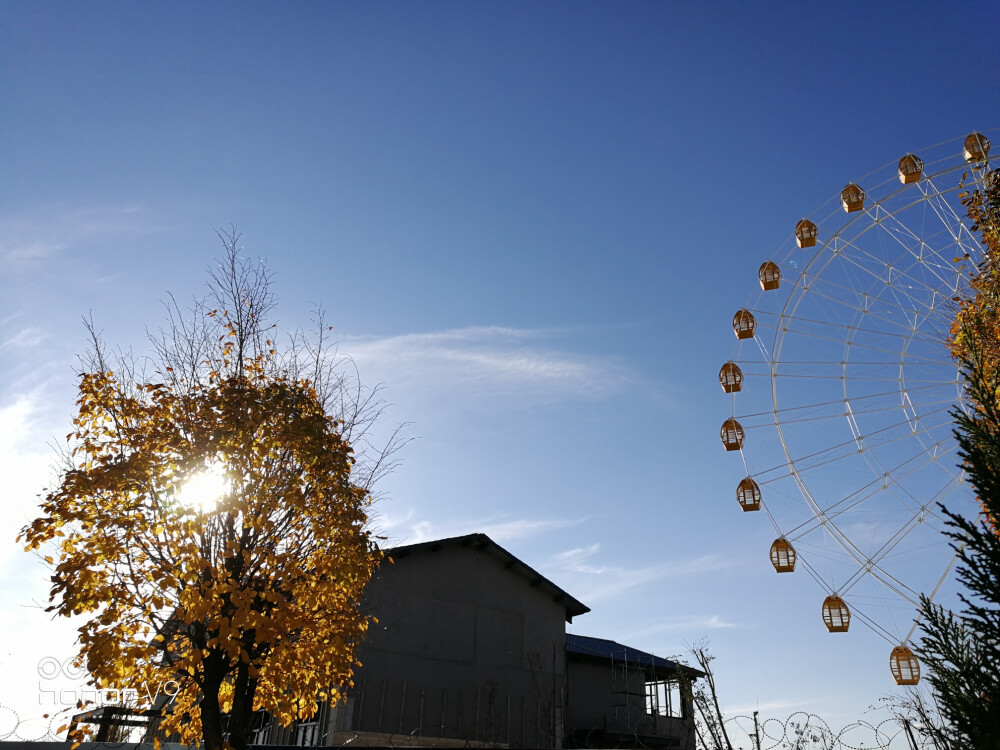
(604, 649)
(482, 543)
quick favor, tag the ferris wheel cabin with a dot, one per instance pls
(836, 615)
(904, 666)
(805, 233)
(769, 275)
(911, 169)
(731, 378)
(743, 324)
(748, 494)
(783, 556)
(977, 148)
(732, 435)
(852, 198)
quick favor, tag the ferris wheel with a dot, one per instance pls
(842, 389)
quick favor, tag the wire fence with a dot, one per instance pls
(806, 731)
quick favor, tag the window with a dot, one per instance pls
(663, 698)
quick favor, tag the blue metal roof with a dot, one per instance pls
(602, 648)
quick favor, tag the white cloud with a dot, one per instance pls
(711, 622)
(573, 559)
(409, 530)
(488, 360)
(690, 623)
(31, 238)
(521, 528)
(15, 251)
(597, 581)
(27, 337)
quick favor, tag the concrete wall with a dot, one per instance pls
(589, 690)
(465, 648)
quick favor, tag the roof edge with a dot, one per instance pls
(574, 606)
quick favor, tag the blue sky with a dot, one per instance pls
(531, 221)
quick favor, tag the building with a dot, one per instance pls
(471, 648)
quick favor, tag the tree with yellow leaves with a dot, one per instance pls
(245, 597)
(978, 316)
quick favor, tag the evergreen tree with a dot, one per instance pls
(962, 652)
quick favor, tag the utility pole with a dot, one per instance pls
(756, 730)
(909, 734)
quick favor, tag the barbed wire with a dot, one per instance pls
(44, 728)
(805, 731)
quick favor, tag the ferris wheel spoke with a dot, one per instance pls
(780, 472)
(879, 272)
(869, 566)
(830, 288)
(846, 250)
(906, 470)
(873, 562)
(850, 415)
(838, 416)
(867, 448)
(818, 521)
(890, 582)
(945, 271)
(866, 308)
(935, 383)
(765, 366)
(937, 587)
(865, 347)
(908, 331)
(879, 484)
(763, 350)
(829, 328)
(948, 379)
(891, 275)
(895, 585)
(813, 573)
(852, 445)
(947, 214)
(931, 194)
(942, 270)
(876, 628)
(798, 465)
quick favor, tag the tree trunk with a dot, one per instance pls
(244, 691)
(211, 713)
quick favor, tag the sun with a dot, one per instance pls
(202, 491)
